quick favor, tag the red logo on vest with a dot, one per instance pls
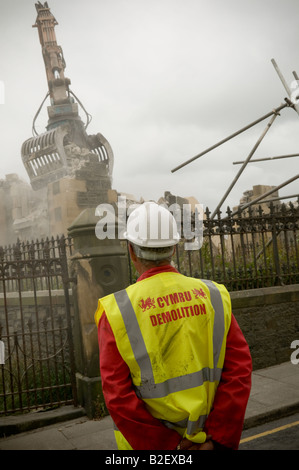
(147, 304)
(199, 293)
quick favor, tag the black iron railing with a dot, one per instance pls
(245, 250)
(37, 359)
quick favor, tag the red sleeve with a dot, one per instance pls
(129, 413)
(225, 421)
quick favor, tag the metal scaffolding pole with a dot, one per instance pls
(269, 158)
(244, 164)
(267, 201)
(274, 111)
(259, 198)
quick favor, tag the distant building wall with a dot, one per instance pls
(30, 214)
(22, 211)
(256, 191)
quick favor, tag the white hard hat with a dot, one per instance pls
(152, 226)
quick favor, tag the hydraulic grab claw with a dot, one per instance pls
(65, 146)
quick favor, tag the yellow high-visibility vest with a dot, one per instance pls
(171, 331)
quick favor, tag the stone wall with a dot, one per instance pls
(269, 319)
(30, 306)
(62, 203)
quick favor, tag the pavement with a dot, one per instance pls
(274, 394)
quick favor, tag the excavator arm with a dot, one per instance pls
(54, 154)
(52, 54)
(62, 104)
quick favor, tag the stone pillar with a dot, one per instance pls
(100, 267)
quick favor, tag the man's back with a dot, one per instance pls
(171, 331)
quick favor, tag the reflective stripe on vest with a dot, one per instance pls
(150, 389)
(191, 426)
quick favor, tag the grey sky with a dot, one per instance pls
(163, 80)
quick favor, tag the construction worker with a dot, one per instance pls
(175, 367)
